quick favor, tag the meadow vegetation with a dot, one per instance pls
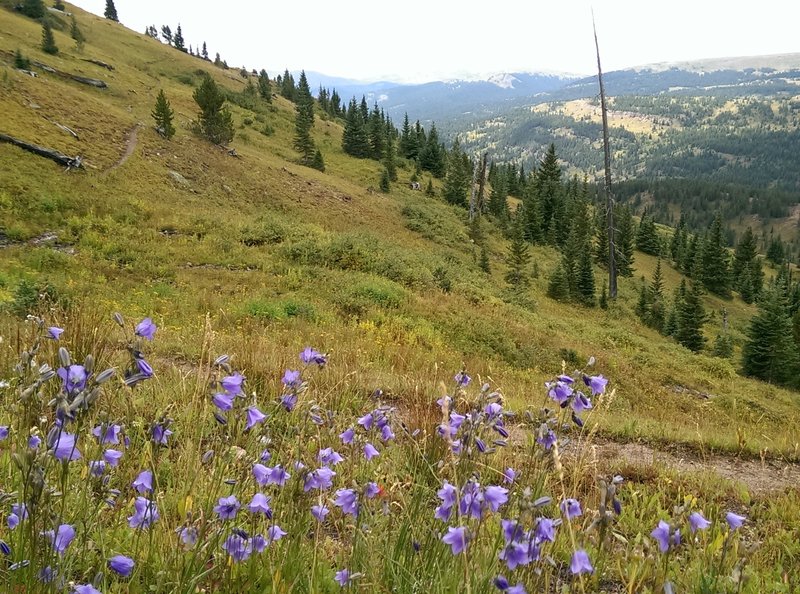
(258, 256)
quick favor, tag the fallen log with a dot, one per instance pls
(99, 63)
(94, 82)
(60, 158)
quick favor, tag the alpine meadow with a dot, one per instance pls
(264, 333)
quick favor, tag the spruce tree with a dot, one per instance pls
(111, 11)
(647, 237)
(691, 317)
(48, 40)
(355, 141)
(585, 278)
(746, 273)
(20, 61)
(723, 346)
(456, 184)
(34, 9)
(318, 162)
(498, 199)
(776, 252)
(76, 34)
(178, 41)
(432, 157)
(385, 184)
(389, 157)
(264, 86)
(518, 259)
(656, 315)
(163, 114)
(204, 53)
(376, 130)
(770, 353)
(304, 121)
(429, 190)
(677, 245)
(715, 270)
(287, 86)
(216, 123)
(483, 263)
(166, 34)
(558, 286)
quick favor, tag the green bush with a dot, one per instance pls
(358, 299)
(281, 310)
(31, 297)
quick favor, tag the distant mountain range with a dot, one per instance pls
(475, 98)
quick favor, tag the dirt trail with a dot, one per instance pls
(759, 476)
(130, 146)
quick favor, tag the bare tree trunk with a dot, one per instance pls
(612, 264)
(53, 155)
(482, 184)
(473, 210)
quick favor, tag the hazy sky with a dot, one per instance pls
(419, 40)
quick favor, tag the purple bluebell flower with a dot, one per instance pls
(697, 522)
(661, 534)
(347, 500)
(112, 457)
(462, 379)
(342, 577)
(232, 384)
(596, 383)
(238, 547)
(61, 538)
(509, 475)
(97, 468)
(310, 355)
(144, 367)
(143, 482)
(456, 420)
(188, 536)
(145, 513)
(265, 475)
(121, 565)
(371, 490)
(260, 505)
(65, 448)
(500, 582)
(515, 554)
(546, 438)
(329, 457)
(480, 444)
(518, 589)
(545, 530)
(146, 329)
(54, 332)
(319, 512)
(254, 417)
(386, 433)
(3, 432)
(448, 494)
(227, 507)
(12, 520)
(512, 531)
(259, 543)
(291, 379)
(347, 436)
(571, 508)
(472, 501)
(34, 441)
(370, 452)
(442, 513)
(367, 421)
(581, 402)
(275, 533)
(86, 589)
(735, 520)
(265, 455)
(559, 391)
(289, 401)
(580, 563)
(46, 575)
(160, 434)
(222, 401)
(457, 538)
(73, 378)
(495, 497)
(106, 434)
(18, 511)
(321, 478)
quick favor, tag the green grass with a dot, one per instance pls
(259, 256)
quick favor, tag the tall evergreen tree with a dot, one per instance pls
(264, 86)
(408, 140)
(216, 123)
(34, 9)
(304, 121)
(48, 40)
(390, 157)
(456, 184)
(178, 41)
(776, 253)
(770, 353)
(76, 33)
(432, 157)
(498, 199)
(746, 273)
(518, 259)
(166, 34)
(204, 53)
(715, 268)
(355, 141)
(584, 284)
(647, 237)
(691, 317)
(677, 246)
(558, 285)
(111, 11)
(163, 114)
(288, 89)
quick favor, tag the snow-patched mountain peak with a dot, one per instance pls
(504, 80)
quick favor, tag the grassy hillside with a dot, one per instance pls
(290, 255)
(256, 256)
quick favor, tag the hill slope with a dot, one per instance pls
(278, 255)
